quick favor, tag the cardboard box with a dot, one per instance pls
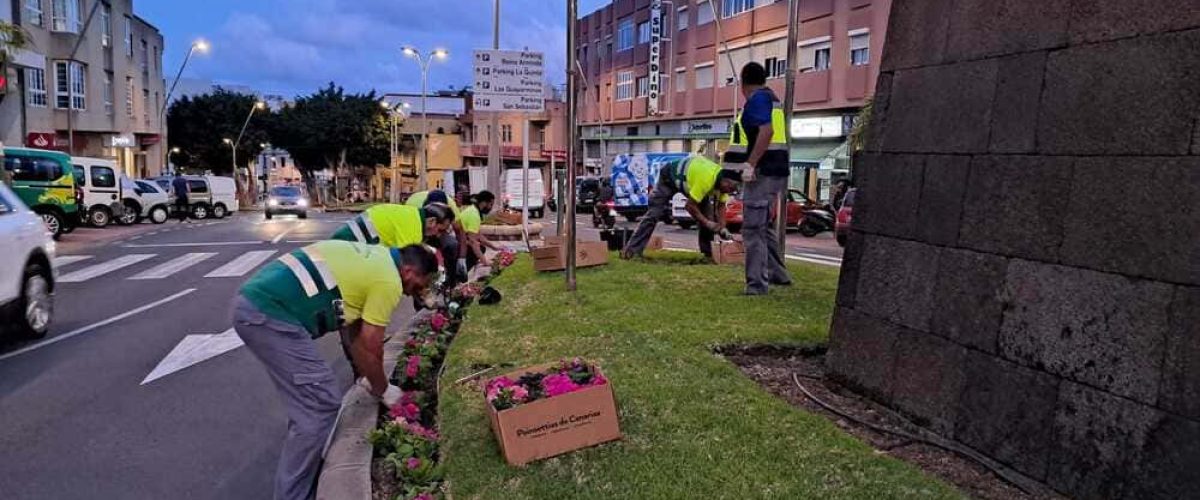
(656, 243)
(553, 426)
(554, 258)
(729, 252)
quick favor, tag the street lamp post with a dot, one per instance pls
(258, 105)
(200, 45)
(393, 115)
(423, 61)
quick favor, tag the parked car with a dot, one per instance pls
(513, 186)
(797, 204)
(100, 181)
(679, 213)
(144, 200)
(45, 183)
(27, 272)
(287, 200)
(845, 216)
(208, 195)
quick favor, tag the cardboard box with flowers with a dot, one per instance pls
(548, 410)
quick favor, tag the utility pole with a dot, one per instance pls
(789, 98)
(494, 168)
(572, 137)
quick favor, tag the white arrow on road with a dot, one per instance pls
(195, 349)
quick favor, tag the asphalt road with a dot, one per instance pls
(78, 422)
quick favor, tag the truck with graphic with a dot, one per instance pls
(633, 179)
(45, 181)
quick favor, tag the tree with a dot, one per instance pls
(12, 39)
(198, 126)
(331, 129)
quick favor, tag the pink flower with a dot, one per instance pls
(500, 383)
(413, 367)
(599, 380)
(423, 496)
(438, 321)
(519, 393)
(412, 463)
(558, 384)
(418, 430)
(405, 410)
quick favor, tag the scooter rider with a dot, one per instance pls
(698, 178)
(325, 287)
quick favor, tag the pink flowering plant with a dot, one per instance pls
(466, 292)
(564, 378)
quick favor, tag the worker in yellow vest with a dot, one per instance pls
(758, 147)
(396, 226)
(449, 243)
(325, 287)
(471, 219)
(700, 180)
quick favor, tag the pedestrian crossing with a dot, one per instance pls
(83, 268)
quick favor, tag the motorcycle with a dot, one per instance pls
(604, 214)
(817, 221)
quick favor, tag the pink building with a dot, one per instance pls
(840, 43)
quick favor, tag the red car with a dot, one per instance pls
(797, 204)
(844, 216)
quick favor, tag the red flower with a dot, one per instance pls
(413, 367)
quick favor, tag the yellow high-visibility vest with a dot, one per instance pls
(739, 141)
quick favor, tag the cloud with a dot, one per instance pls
(295, 46)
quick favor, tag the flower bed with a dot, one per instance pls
(566, 377)
(407, 462)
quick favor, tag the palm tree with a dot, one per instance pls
(12, 39)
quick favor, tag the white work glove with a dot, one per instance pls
(461, 266)
(725, 234)
(748, 173)
(390, 396)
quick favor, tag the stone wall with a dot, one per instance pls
(1024, 272)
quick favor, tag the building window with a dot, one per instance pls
(105, 25)
(681, 19)
(815, 56)
(644, 32)
(108, 93)
(33, 12)
(70, 85)
(129, 96)
(729, 72)
(128, 36)
(776, 67)
(625, 35)
(597, 92)
(860, 49)
(681, 80)
(145, 57)
(146, 107)
(704, 77)
(506, 134)
(705, 15)
(610, 52)
(157, 60)
(643, 86)
(65, 16)
(35, 83)
(730, 8)
(624, 85)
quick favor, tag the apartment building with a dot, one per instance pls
(547, 137)
(703, 45)
(87, 88)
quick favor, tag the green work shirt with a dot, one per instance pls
(367, 278)
(701, 179)
(418, 200)
(470, 219)
(398, 225)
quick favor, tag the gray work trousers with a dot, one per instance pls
(659, 209)
(307, 388)
(764, 259)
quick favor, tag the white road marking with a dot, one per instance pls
(808, 255)
(194, 349)
(241, 265)
(90, 272)
(824, 260)
(816, 261)
(173, 266)
(197, 244)
(93, 326)
(284, 233)
(64, 260)
(302, 241)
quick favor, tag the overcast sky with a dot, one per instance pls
(296, 46)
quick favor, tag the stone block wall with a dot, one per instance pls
(1024, 272)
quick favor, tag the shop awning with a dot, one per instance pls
(817, 151)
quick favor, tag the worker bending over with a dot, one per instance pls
(700, 180)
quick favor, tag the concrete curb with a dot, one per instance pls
(346, 472)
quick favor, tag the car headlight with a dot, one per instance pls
(302, 202)
(273, 202)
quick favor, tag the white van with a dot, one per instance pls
(513, 184)
(223, 197)
(100, 181)
(144, 200)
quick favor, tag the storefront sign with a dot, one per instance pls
(655, 56)
(150, 140)
(122, 141)
(816, 128)
(41, 140)
(706, 127)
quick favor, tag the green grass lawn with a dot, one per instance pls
(694, 426)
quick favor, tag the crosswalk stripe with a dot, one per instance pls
(241, 265)
(90, 272)
(64, 260)
(173, 266)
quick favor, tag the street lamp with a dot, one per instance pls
(394, 114)
(423, 61)
(199, 45)
(258, 105)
